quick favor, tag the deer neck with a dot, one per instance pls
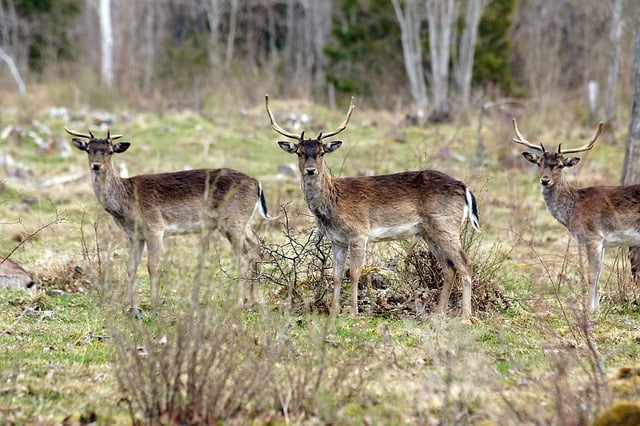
(109, 189)
(319, 194)
(560, 201)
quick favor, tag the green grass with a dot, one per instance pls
(75, 354)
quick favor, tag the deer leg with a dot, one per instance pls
(244, 258)
(595, 254)
(136, 247)
(154, 248)
(454, 263)
(357, 250)
(339, 262)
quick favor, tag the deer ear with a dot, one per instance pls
(332, 146)
(570, 162)
(530, 157)
(121, 147)
(80, 144)
(289, 147)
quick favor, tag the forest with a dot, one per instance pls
(213, 328)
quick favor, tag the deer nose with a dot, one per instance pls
(310, 171)
(95, 166)
(545, 180)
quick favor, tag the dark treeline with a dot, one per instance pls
(394, 52)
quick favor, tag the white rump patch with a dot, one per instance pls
(398, 232)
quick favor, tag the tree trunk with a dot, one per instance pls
(464, 66)
(631, 170)
(106, 43)
(409, 20)
(14, 71)
(614, 65)
(441, 15)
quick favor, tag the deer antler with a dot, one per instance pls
(343, 126)
(114, 137)
(80, 135)
(587, 146)
(275, 125)
(522, 141)
(90, 134)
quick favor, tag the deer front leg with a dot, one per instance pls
(154, 248)
(339, 262)
(136, 247)
(595, 254)
(357, 250)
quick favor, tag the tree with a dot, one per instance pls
(441, 16)
(631, 168)
(614, 65)
(409, 20)
(106, 43)
(467, 45)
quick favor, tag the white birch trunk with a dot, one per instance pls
(13, 69)
(106, 43)
(464, 68)
(409, 21)
(614, 65)
(441, 15)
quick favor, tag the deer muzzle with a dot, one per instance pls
(96, 166)
(310, 171)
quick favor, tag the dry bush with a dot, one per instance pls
(300, 265)
(203, 360)
(416, 284)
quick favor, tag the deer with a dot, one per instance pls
(150, 207)
(597, 217)
(354, 211)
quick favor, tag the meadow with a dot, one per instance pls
(529, 355)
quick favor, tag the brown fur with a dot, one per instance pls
(354, 211)
(597, 217)
(151, 207)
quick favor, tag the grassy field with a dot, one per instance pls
(529, 355)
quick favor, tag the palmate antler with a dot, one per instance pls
(586, 147)
(90, 134)
(283, 132)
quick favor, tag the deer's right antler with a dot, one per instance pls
(275, 124)
(90, 134)
(521, 139)
(80, 135)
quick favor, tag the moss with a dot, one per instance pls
(622, 413)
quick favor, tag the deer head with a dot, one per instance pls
(310, 152)
(550, 164)
(99, 150)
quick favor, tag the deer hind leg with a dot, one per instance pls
(454, 263)
(357, 251)
(136, 247)
(154, 248)
(244, 253)
(339, 263)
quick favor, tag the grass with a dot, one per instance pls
(72, 356)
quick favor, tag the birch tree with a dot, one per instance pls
(13, 69)
(106, 43)
(464, 65)
(614, 65)
(631, 168)
(441, 16)
(409, 20)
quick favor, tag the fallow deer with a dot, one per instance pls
(356, 211)
(597, 217)
(153, 206)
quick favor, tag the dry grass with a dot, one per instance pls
(529, 356)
